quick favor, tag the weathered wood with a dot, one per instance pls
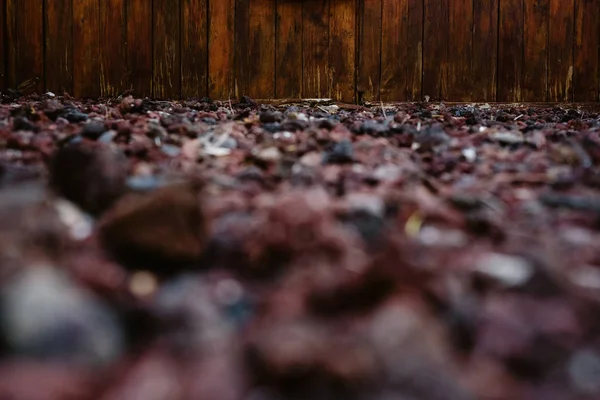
(460, 50)
(195, 47)
(113, 50)
(59, 46)
(485, 50)
(25, 34)
(288, 52)
(316, 77)
(3, 41)
(510, 59)
(369, 50)
(587, 40)
(414, 56)
(435, 53)
(139, 46)
(86, 44)
(261, 79)
(342, 49)
(535, 62)
(560, 50)
(242, 47)
(167, 56)
(394, 26)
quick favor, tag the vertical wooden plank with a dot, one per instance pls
(195, 46)
(59, 46)
(414, 56)
(369, 50)
(113, 51)
(221, 49)
(435, 53)
(3, 41)
(460, 50)
(261, 84)
(26, 50)
(535, 62)
(510, 59)
(242, 47)
(288, 53)
(315, 34)
(585, 74)
(394, 26)
(139, 46)
(167, 57)
(560, 50)
(86, 44)
(342, 49)
(485, 50)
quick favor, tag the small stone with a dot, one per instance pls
(270, 117)
(372, 128)
(75, 116)
(507, 137)
(509, 270)
(93, 130)
(23, 124)
(584, 368)
(341, 153)
(170, 150)
(270, 155)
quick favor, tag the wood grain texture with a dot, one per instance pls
(139, 47)
(261, 53)
(167, 55)
(394, 26)
(195, 48)
(510, 52)
(414, 56)
(25, 36)
(342, 49)
(113, 48)
(3, 41)
(242, 48)
(288, 49)
(587, 40)
(560, 50)
(485, 50)
(435, 53)
(86, 43)
(58, 61)
(221, 49)
(460, 50)
(535, 61)
(316, 77)
(369, 50)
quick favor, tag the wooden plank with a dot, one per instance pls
(261, 84)
(342, 49)
(587, 40)
(3, 41)
(288, 49)
(25, 33)
(139, 47)
(414, 56)
(242, 47)
(535, 62)
(485, 50)
(167, 57)
(460, 50)
(59, 46)
(510, 52)
(315, 35)
(560, 50)
(435, 54)
(86, 43)
(113, 50)
(369, 50)
(394, 26)
(195, 46)
(221, 49)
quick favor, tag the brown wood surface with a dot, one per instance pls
(59, 46)
(510, 52)
(587, 36)
(221, 49)
(394, 49)
(3, 41)
(535, 61)
(261, 52)
(25, 39)
(86, 43)
(414, 56)
(315, 39)
(167, 56)
(460, 50)
(342, 49)
(369, 50)
(242, 48)
(485, 50)
(139, 47)
(560, 50)
(288, 49)
(195, 48)
(435, 52)
(113, 48)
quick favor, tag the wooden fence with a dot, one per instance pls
(351, 50)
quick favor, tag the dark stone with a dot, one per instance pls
(341, 153)
(93, 130)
